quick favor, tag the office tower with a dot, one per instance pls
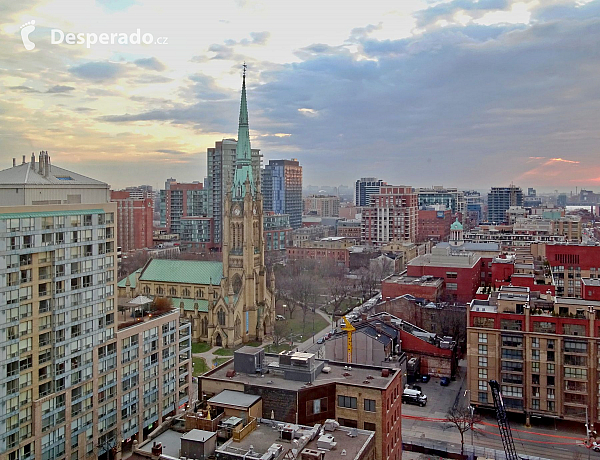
(474, 207)
(364, 188)
(392, 216)
(221, 165)
(135, 213)
(451, 198)
(282, 189)
(502, 198)
(322, 206)
(57, 302)
(179, 200)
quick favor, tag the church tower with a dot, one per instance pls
(243, 245)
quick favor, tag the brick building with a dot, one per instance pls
(348, 229)
(542, 350)
(134, 219)
(425, 287)
(434, 225)
(179, 200)
(590, 289)
(333, 248)
(298, 389)
(569, 263)
(322, 205)
(392, 215)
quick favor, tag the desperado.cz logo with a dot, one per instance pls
(57, 37)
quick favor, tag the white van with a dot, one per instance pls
(414, 397)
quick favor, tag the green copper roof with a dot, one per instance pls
(78, 212)
(183, 271)
(456, 225)
(132, 280)
(243, 152)
(188, 304)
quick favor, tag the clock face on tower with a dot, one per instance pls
(237, 211)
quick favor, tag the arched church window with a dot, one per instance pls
(221, 317)
(160, 290)
(204, 327)
(173, 291)
(186, 292)
(146, 290)
(238, 328)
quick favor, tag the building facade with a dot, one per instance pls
(135, 215)
(282, 189)
(500, 199)
(450, 198)
(569, 263)
(392, 215)
(179, 200)
(221, 164)
(277, 232)
(433, 225)
(322, 205)
(364, 188)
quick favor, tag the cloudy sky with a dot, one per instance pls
(462, 93)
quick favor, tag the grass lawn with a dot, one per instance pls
(298, 326)
(200, 366)
(219, 361)
(277, 348)
(200, 347)
(224, 352)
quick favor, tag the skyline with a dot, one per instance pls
(411, 95)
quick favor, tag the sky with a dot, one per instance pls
(461, 93)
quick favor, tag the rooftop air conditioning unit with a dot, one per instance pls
(326, 441)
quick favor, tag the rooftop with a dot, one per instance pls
(233, 398)
(198, 435)
(360, 375)
(29, 174)
(590, 281)
(415, 280)
(183, 271)
(269, 432)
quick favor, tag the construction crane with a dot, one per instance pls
(349, 328)
(503, 426)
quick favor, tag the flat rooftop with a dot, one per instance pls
(357, 376)
(591, 281)
(483, 306)
(233, 398)
(414, 280)
(170, 440)
(267, 433)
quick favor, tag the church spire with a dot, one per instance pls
(243, 167)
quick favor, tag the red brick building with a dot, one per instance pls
(433, 225)
(392, 215)
(134, 220)
(338, 255)
(426, 287)
(570, 263)
(590, 289)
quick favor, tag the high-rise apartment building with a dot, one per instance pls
(282, 189)
(322, 206)
(135, 213)
(364, 188)
(392, 216)
(179, 200)
(500, 199)
(221, 165)
(451, 198)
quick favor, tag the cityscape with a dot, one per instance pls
(396, 256)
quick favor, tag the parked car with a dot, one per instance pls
(425, 378)
(596, 446)
(412, 396)
(444, 381)
(280, 318)
(321, 340)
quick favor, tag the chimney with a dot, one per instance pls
(23, 160)
(41, 163)
(46, 164)
(49, 165)
(33, 160)
(14, 162)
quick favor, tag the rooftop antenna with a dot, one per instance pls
(245, 67)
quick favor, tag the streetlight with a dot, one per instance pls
(471, 410)
(284, 307)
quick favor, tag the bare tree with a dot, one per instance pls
(340, 289)
(463, 419)
(303, 294)
(382, 267)
(366, 282)
(280, 331)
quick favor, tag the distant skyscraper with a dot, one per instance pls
(180, 200)
(135, 212)
(452, 198)
(364, 188)
(221, 165)
(502, 198)
(282, 189)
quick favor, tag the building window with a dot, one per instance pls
(316, 406)
(348, 422)
(483, 385)
(483, 373)
(550, 367)
(535, 367)
(535, 342)
(550, 394)
(483, 397)
(482, 349)
(451, 286)
(221, 317)
(370, 405)
(369, 426)
(551, 406)
(535, 404)
(347, 401)
(483, 361)
(483, 338)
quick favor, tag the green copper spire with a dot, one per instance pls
(243, 167)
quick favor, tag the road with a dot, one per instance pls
(561, 442)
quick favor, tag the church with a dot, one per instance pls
(228, 302)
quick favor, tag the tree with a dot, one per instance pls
(366, 282)
(280, 332)
(382, 267)
(340, 288)
(108, 446)
(303, 294)
(463, 419)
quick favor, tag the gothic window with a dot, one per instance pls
(160, 290)
(173, 291)
(221, 317)
(204, 327)
(238, 328)
(199, 293)
(236, 283)
(186, 292)
(146, 289)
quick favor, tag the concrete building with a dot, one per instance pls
(179, 200)
(541, 349)
(282, 189)
(134, 216)
(57, 304)
(474, 208)
(322, 206)
(500, 199)
(197, 234)
(311, 233)
(425, 287)
(349, 229)
(221, 165)
(433, 224)
(277, 232)
(392, 215)
(364, 188)
(450, 198)
(301, 389)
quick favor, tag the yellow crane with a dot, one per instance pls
(349, 328)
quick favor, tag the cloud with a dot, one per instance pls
(172, 152)
(60, 89)
(561, 160)
(23, 89)
(258, 38)
(150, 64)
(99, 71)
